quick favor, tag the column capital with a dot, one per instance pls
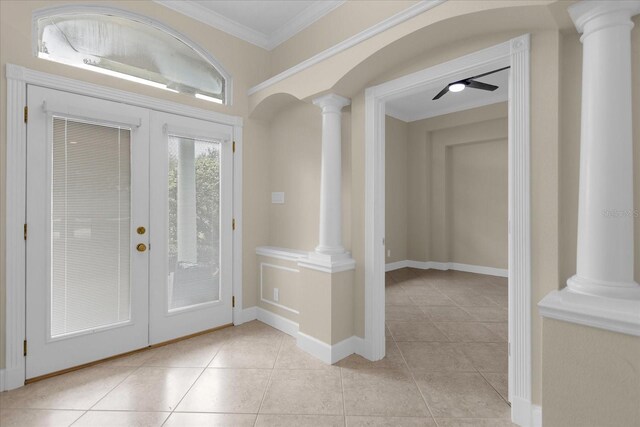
(331, 101)
(590, 16)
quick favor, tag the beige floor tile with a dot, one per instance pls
(37, 417)
(461, 395)
(404, 313)
(474, 422)
(304, 392)
(237, 391)
(381, 392)
(392, 360)
(466, 332)
(499, 381)
(253, 331)
(150, 389)
(388, 280)
(416, 331)
(435, 356)
(402, 274)
(487, 357)
(432, 299)
(398, 299)
(248, 353)
(192, 419)
(446, 313)
(488, 314)
(121, 419)
(76, 390)
(501, 329)
(300, 420)
(468, 299)
(292, 357)
(390, 422)
(193, 353)
(133, 360)
(500, 300)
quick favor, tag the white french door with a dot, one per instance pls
(121, 255)
(191, 222)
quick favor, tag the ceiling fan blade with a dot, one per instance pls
(484, 86)
(488, 73)
(442, 92)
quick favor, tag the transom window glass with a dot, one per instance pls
(129, 49)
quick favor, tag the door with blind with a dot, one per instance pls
(87, 193)
(99, 229)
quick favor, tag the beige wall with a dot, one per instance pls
(247, 64)
(591, 377)
(396, 189)
(447, 188)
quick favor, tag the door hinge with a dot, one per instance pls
(233, 146)
(24, 347)
(25, 232)
(26, 113)
(233, 224)
(233, 301)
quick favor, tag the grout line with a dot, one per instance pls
(266, 388)
(344, 407)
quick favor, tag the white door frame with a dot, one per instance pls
(514, 53)
(18, 77)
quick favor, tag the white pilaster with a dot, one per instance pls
(605, 217)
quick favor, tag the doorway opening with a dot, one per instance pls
(379, 101)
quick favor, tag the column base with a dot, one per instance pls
(334, 263)
(611, 314)
(629, 291)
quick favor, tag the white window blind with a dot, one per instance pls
(90, 226)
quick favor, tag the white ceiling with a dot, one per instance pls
(420, 105)
(265, 23)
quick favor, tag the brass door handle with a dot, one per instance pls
(141, 247)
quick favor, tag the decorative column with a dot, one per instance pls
(606, 213)
(330, 246)
(186, 203)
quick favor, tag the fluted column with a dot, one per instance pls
(606, 213)
(330, 239)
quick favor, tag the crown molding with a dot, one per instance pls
(392, 21)
(266, 41)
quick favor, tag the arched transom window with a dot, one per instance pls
(132, 47)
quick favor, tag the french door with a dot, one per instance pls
(121, 254)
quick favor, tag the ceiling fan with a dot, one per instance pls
(460, 85)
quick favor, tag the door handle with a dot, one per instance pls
(141, 247)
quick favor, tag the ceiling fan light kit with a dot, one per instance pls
(460, 85)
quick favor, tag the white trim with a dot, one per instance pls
(327, 353)
(372, 31)
(237, 215)
(428, 265)
(328, 264)
(513, 53)
(17, 80)
(391, 266)
(38, 78)
(283, 324)
(281, 253)
(611, 314)
(108, 10)
(266, 41)
(247, 315)
(263, 299)
(525, 414)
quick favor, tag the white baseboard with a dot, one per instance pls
(525, 414)
(283, 324)
(246, 315)
(11, 378)
(329, 354)
(422, 265)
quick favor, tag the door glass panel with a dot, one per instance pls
(90, 226)
(194, 222)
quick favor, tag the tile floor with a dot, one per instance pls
(446, 365)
